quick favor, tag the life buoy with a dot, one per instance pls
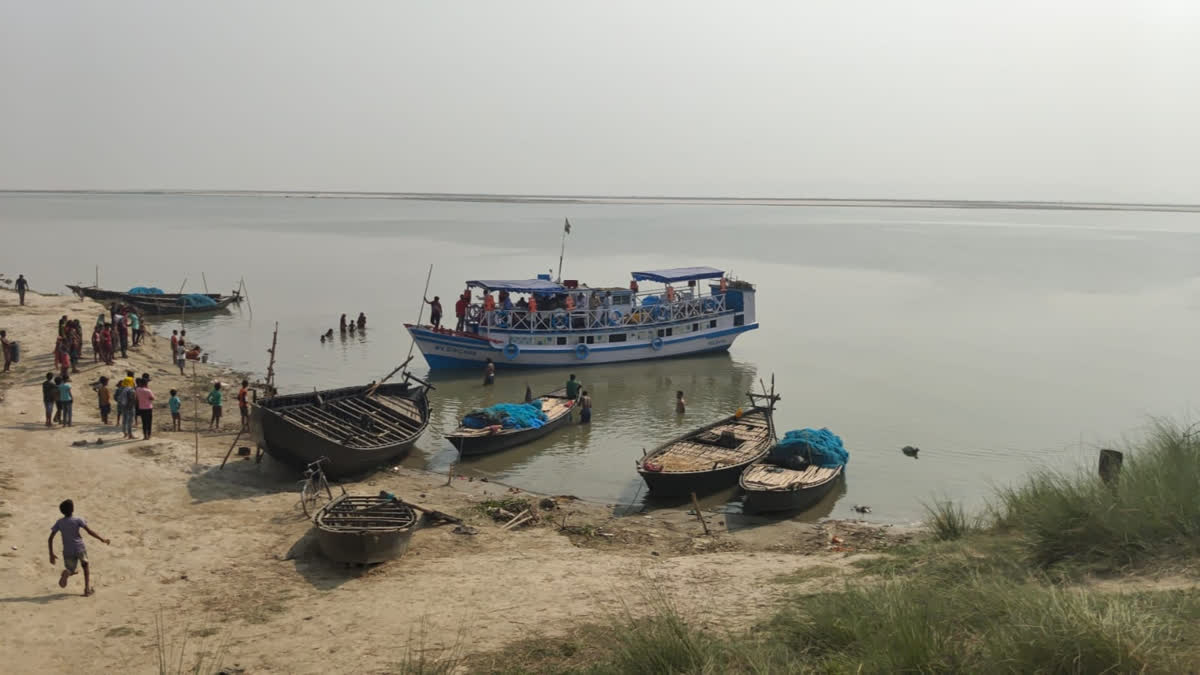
(614, 317)
(709, 305)
(474, 312)
(656, 344)
(582, 351)
(512, 351)
(560, 320)
(501, 318)
(659, 313)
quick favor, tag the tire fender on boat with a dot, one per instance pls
(709, 305)
(614, 317)
(511, 351)
(560, 320)
(582, 351)
(656, 344)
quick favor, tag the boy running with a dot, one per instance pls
(74, 552)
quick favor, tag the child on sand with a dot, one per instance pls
(65, 398)
(243, 399)
(105, 397)
(74, 552)
(174, 403)
(214, 399)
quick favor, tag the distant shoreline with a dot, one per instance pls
(609, 199)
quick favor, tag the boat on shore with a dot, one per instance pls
(356, 428)
(771, 488)
(364, 530)
(160, 303)
(712, 457)
(574, 324)
(469, 441)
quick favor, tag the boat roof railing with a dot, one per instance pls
(518, 286)
(677, 274)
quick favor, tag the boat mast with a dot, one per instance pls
(561, 251)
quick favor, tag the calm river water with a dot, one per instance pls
(995, 340)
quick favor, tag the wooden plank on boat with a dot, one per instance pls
(374, 409)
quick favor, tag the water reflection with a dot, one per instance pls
(633, 408)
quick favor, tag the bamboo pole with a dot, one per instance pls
(700, 516)
(246, 294)
(271, 362)
(205, 280)
(421, 309)
(195, 413)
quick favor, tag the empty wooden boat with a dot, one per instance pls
(772, 488)
(356, 428)
(555, 405)
(364, 529)
(712, 457)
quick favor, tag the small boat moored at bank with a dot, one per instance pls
(796, 474)
(364, 529)
(554, 406)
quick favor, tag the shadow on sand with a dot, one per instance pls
(242, 478)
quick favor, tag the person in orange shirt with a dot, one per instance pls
(533, 304)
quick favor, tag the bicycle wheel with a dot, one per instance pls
(309, 494)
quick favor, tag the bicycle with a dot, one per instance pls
(314, 484)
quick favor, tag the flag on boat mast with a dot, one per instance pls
(566, 225)
(566, 231)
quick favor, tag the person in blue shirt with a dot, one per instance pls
(174, 403)
(64, 397)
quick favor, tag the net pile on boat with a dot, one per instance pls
(145, 290)
(507, 415)
(197, 300)
(801, 448)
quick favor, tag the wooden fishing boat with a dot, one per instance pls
(104, 295)
(712, 457)
(775, 488)
(356, 428)
(555, 405)
(153, 304)
(364, 529)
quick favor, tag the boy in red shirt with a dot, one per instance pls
(244, 404)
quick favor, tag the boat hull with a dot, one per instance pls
(363, 548)
(445, 351)
(469, 446)
(772, 501)
(662, 484)
(298, 447)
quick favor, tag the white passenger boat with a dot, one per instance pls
(690, 310)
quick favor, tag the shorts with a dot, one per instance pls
(180, 363)
(105, 409)
(175, 416)
(245, 411)
(216, 411)
(71, 562)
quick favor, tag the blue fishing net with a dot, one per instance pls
(145, 290)
(197, 300)
(797, 448)
(508, 415)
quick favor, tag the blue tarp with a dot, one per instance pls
(508, 415)
(797, 448)
(519, 286)
(145, 290)
(196, 300)
(679, 274)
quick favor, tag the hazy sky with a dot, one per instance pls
(1073, 100)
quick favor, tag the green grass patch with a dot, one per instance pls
(948, 521)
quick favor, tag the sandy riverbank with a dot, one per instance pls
(223, 555)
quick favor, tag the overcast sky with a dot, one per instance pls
(1063, 100)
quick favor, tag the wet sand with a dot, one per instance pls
(225, 557)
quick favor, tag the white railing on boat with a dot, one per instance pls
(602, 316)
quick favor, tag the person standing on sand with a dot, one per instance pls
(214, 399)
(243, 398)
(105, 398)
(126, 403)
(135, 327)
(585, 408)
(489, 373)
(5, 346)
(435, 311)
(22, 286)
(64, 396)
(174, 404)
(123, 335)
(49, 396)
(145, 406)
(74, 552)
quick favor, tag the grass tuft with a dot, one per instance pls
(949, 521)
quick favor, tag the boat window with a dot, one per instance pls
(661, 333)
(580, 339)
(669, 331)
(739, 319)
(712, 323)
(562, 340)
(695, 327)
(616, 337)
(591, 339)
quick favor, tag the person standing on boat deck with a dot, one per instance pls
(460, 312)
(22, 286)
(362, 321)
(573, 386)
(680, 404)
(724, 284)
(435, 311)
(489, 373)
(670, 293)
(633, 285)
(585, 408)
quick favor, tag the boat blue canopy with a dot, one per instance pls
(519, 286)
(679, 274)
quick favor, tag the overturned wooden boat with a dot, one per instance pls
(356, 428)
(712, 457)
(364, 529)
(771, 488)
(555, 405)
